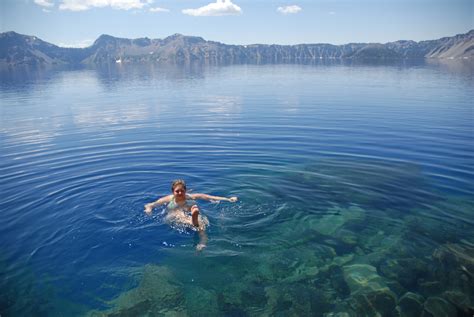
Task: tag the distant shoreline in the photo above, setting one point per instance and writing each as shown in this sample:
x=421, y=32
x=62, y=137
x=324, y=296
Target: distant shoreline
x=18, y=49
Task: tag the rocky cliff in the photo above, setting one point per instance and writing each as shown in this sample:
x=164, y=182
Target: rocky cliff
x=17, y=49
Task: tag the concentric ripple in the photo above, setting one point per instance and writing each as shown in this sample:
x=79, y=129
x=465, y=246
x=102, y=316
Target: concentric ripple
x=318, y=166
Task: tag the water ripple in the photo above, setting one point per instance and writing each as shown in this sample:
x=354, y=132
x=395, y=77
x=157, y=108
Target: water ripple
x=320, y=175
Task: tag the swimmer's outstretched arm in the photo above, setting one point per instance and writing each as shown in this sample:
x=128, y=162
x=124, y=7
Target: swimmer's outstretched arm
x=210, y=197
x=163, y=200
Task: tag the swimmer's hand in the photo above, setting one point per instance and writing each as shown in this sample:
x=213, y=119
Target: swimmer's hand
x=149, y=208
x=233, y=199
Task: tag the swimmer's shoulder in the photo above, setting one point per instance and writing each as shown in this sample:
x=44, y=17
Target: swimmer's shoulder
x=191, y=196
x=166, y=199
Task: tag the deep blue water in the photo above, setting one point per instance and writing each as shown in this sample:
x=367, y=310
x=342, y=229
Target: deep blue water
x=335, y=166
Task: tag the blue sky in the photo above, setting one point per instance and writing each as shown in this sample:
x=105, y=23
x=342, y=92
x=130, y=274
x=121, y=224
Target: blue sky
x=80, y=22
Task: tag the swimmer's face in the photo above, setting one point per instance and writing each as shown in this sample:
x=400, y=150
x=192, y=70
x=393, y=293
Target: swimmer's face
x=179, y=191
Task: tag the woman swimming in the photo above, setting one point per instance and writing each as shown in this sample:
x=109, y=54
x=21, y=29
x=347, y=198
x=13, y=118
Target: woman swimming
x=181, y=204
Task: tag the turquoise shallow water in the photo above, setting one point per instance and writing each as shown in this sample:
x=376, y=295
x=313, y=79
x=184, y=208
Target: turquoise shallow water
x=355, y=185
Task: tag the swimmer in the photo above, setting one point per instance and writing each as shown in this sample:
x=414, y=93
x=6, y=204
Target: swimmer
x=181, y=204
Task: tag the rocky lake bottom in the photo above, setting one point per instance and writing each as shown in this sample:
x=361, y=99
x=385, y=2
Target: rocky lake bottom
x=353, y=257
x=355, y=186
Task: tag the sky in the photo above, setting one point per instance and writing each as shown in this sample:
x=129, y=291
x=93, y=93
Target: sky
x=78, y=23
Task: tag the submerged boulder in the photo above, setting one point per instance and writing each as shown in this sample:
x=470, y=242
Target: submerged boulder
x=363, y=277
x=457, y=256
x=201, y=302
x=462, y=301
x=374, y=303
x=295, y=299
x=439, y=307
x=454, y=271
x=157, y=293
x=370, y=295
x=370, y=183
x=410, y=305
x=406, y=271
x=336, y=218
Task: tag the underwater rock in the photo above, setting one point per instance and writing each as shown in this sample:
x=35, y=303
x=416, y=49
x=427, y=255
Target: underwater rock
x=395, y=287
x=452, y=255
x=389, y=268
x=305, y=265
x=336, y=218
x=391, y=244
x=462, y=253
x=450, y=222
x=348, y=237
x=433, y=229
x=230, y=303
x=341, y=260
x=253, y=296
x=404, y=271
x=368, y=183
x=363, y=277
x=337, y=281
x=337, y=314
x=302, y=273
x=439, y=307
x=295, y=299
x=157, y=293
x=455, y=272
x=241, y=298
x=430, y=288
x=282, y=267
x=292, y=264
x=373, y=303
x=201, y=302
x=336, y=263
x=273, y=295
x=462, y=301
x=370, y=295
x=410, y=305
x=136, y=309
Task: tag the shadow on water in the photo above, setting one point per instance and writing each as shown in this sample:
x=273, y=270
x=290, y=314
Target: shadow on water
x=372, y=243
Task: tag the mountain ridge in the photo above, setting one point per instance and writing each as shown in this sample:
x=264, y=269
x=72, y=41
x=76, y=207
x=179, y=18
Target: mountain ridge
x=19, y=49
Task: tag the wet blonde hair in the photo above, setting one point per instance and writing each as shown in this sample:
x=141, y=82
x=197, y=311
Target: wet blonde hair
x=178, y=182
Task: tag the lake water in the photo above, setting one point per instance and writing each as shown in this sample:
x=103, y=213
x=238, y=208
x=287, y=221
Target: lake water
x=355, y=186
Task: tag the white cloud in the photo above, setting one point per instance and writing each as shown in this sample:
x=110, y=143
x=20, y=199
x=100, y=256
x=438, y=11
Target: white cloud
x=159, y=10
x=218, y=8
x=82, y=5
x=289, y=9
x=44, y=3
x=46, y=10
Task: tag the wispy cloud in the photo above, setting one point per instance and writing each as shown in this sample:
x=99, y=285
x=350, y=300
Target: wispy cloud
x=82, y=5
x=289, y=9
x=218, y=8
x=46, y=10
x=44, y=3
x=159, y=10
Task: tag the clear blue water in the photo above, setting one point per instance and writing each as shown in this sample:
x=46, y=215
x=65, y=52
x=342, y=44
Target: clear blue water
x=337, y=168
